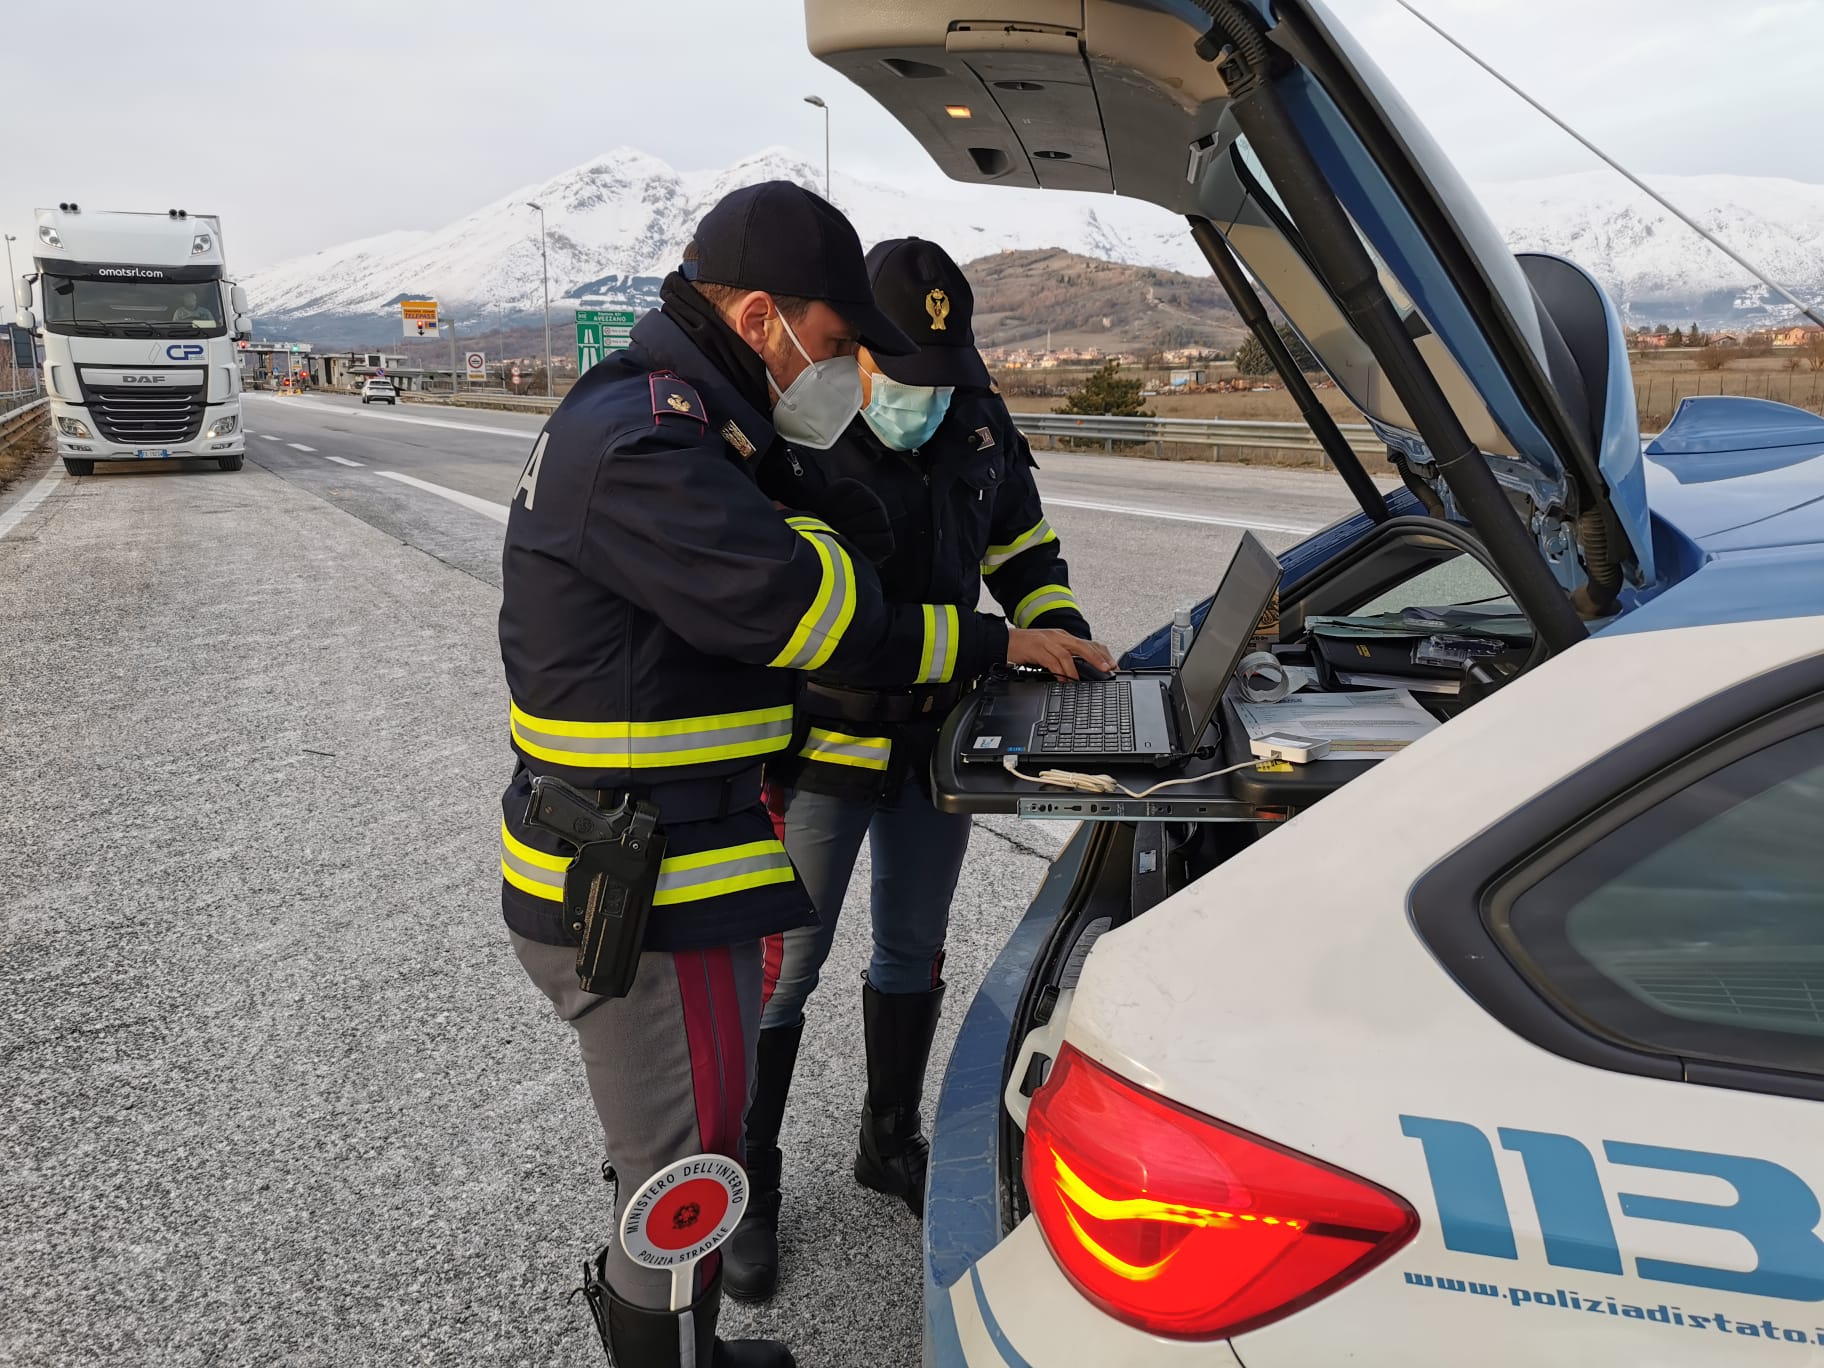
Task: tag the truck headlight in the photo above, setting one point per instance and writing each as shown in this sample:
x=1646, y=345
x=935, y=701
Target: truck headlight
x=200, y=244
x=71, y=427
x=49, y=236
x=224, y=426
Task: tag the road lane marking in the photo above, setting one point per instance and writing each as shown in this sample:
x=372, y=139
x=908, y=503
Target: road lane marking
x=343, y=460
x=299, y=446
x=523, y=434
x=268, y=437
x=1172, y=515
x=498, y=512
x=33, y=497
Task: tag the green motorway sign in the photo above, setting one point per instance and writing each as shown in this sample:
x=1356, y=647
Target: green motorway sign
x=600, y=331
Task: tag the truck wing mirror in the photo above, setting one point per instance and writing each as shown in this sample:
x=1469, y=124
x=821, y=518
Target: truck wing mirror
x=26, y=319
x=239, y=298
x=22, y=292
x=243, y=328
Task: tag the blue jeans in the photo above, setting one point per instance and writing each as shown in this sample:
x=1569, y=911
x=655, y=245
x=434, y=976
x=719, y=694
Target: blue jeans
x=917, y=853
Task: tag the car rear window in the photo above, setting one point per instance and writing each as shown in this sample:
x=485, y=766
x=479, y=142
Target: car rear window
x=1697, y=927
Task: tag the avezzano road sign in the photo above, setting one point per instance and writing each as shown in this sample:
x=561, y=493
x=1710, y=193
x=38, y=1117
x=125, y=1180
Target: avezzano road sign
x=600, y=331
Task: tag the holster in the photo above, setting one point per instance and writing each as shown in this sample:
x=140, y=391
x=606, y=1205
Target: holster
x=609, y=886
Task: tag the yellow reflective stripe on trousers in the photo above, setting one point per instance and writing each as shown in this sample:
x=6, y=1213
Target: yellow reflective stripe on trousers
x=938, y=661
x=819, y=631
x=654, y=745
x=999, y=555
x=531, y=871
x=713, y=873
x=682, y=878
x=1041, y=601
x=840, y=748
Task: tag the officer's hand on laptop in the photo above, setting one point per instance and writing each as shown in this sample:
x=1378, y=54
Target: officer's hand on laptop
x=1050, y=649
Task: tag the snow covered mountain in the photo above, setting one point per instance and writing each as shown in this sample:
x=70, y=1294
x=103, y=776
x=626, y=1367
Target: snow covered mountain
x=1658, y=270
x=617, y=224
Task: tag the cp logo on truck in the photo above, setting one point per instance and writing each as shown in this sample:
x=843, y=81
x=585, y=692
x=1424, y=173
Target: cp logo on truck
x=184, y=351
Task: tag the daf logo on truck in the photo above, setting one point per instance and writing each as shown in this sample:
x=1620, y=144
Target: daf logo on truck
x=142, y=379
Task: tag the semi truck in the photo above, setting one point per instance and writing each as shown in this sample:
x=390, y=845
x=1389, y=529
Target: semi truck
x=140, y=327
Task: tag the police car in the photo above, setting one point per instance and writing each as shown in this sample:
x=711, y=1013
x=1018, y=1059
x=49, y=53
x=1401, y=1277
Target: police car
x=1510, y=1049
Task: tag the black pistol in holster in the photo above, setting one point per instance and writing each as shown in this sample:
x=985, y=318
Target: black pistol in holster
x=608, y=888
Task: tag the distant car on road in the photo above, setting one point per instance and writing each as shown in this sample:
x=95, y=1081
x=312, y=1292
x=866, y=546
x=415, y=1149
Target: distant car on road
x=1506, y=1048
x=377, y=391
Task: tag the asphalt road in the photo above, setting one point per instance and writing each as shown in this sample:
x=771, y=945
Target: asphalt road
x=275, y=1090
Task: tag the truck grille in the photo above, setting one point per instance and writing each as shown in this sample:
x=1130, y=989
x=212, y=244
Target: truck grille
x=146, y=417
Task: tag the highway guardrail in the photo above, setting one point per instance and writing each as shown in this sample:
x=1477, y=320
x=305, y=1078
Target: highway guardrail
x=18, y=411
x=1214, y=433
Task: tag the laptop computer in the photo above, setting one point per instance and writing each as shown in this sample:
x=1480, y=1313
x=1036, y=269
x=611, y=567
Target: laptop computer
x=1131, y=717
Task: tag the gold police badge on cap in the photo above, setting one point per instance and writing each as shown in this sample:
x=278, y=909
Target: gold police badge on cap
x=937, y=304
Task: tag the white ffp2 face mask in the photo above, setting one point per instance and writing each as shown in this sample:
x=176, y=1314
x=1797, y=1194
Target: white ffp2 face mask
x=816, y=408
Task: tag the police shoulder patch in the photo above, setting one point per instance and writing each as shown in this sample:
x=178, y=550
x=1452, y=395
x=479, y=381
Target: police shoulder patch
x=672, y=398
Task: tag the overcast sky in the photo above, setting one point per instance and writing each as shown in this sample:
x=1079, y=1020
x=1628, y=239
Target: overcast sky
x=309, y=125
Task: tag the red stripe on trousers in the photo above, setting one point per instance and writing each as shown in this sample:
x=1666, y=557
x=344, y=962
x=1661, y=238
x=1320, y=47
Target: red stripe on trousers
x=772, y=960
x=718, y=1059
x=773, y=795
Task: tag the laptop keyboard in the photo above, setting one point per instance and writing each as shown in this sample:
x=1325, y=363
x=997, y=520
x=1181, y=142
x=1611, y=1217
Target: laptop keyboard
x=1091, y=716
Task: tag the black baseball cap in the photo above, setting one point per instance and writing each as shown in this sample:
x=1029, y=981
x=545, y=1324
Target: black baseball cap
x=781, y=238
x=926, y=293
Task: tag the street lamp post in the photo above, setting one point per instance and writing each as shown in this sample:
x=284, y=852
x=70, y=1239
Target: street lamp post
x=545, y=263
x=12, y=290
x=818, y=101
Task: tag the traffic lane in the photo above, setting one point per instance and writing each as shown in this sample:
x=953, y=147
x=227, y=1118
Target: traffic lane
x=467, y=450
x=281, y=1092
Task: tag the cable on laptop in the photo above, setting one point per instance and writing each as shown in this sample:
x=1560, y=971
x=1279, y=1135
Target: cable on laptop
x=1106, y=783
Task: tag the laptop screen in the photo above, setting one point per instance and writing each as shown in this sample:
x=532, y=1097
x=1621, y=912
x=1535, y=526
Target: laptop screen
x=1222, y=638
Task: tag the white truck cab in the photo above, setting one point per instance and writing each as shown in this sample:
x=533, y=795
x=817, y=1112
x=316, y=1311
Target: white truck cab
x=139, y=324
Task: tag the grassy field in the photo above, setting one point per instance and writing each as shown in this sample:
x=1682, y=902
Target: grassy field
x=1661, y=379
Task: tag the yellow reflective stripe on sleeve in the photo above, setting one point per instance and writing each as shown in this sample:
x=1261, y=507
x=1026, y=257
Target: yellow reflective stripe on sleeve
x=819, y=631
x=531, y=871
x=1041, y=601
x=1035, y=536
x=713, y=873
x=938, y=660
x=840, y=748
x=653, y=745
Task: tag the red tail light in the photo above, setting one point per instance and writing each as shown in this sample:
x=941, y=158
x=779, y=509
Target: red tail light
x=1181, y=1226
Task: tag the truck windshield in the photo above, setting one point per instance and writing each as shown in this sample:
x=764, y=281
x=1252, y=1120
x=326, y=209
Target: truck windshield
x=134, y=308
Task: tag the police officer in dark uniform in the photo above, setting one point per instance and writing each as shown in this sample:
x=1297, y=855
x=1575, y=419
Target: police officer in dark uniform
x=657, y=607
x=938, y=446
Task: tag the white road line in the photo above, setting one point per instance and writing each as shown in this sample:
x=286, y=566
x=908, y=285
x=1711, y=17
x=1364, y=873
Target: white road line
x=268, y=437
x=1171, y=515
x=343, y=460
x=498, y=512
x=523, y=434
x=33, y=497
x=299, y=446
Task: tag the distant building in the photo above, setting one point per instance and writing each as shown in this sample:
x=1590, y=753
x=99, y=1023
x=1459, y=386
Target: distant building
x=1182, y=378
x=1651, y=341
x=1795, y=337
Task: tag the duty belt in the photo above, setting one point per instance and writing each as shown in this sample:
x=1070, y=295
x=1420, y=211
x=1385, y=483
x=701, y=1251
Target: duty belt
x=929, y=702
x=688, y=800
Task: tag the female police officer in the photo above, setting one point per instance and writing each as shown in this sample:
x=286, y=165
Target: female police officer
x=939, y=448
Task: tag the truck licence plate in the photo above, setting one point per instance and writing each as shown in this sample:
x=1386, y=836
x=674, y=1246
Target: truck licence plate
x=153, y=454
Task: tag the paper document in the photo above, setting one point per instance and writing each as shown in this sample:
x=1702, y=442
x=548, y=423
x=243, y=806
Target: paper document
x=1411, y=685
x=1357, y=725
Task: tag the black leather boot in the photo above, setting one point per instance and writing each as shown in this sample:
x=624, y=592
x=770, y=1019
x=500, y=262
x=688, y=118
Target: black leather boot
x=750, y=1259
x=893, y=1151
x=637, y=1337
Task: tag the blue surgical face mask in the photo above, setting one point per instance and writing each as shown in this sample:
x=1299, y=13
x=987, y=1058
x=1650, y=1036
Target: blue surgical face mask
x=905, y=416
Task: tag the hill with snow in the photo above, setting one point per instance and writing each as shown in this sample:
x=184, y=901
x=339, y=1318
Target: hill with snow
x=618, y=223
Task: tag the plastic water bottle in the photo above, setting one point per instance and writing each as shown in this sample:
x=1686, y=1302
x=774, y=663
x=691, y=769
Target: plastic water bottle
x=1181, y=636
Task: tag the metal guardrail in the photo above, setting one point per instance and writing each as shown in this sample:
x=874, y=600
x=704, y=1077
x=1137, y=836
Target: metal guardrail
x=15, y=417
x=12, y=399
x=1215, y=433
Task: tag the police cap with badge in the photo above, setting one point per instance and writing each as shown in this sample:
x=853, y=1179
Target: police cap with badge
x=918, y=284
